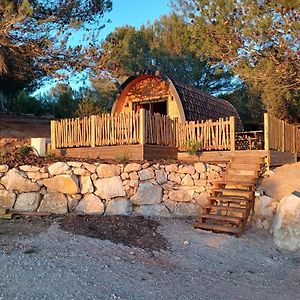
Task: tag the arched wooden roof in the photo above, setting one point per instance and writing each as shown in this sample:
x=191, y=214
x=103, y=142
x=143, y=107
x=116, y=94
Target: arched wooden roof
x=196, y=105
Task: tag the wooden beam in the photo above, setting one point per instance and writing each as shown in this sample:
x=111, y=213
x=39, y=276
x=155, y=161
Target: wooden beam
x=53, y=135
x=232, y=133
x=142, y=126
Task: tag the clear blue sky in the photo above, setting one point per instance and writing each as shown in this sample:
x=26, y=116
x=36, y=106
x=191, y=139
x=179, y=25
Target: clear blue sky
x=135, y=13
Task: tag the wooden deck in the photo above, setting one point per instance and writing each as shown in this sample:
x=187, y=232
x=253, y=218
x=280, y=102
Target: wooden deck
x=273, y=158
x=120, y=152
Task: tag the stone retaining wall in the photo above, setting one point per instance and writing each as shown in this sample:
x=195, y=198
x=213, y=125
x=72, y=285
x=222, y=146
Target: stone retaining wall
x=146, y=189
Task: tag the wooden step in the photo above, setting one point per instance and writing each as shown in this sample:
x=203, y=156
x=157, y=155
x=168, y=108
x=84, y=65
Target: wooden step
x=230, y=199
x=239, y=178
x=249, y=166
x=244, y=159
x=230, y=219
x=217, y=228
x=236, y=183
x=237, y=172
x=234, y=192
x=227, y=208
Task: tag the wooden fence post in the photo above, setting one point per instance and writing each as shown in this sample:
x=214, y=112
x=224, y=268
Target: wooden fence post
x=93, y=131
x=232, y=133
x=53, y=135
x=142, y=126
x=266, y=131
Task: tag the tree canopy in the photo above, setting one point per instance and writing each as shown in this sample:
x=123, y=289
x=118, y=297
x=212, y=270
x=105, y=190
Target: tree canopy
x=164, y=45
x=35, y=35
x=259, y=40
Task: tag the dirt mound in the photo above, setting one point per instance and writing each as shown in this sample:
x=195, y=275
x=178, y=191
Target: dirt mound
x=132, y=231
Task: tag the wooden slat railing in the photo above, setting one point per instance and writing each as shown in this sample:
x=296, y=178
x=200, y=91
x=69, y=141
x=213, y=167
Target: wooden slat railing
x=160, y=129
x=209, y=135
x=280, y=135
x=142, y=127
x=118, y=129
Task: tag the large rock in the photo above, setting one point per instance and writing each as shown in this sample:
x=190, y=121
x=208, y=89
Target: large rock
x=147, y=193
x=28, y=168
x=157, y=210
x=187, y=180
x=161, y=176
x=86, y=185
x=186, y=209
x=200, y=167
x=186, y=170
x=171, y=168
x=90, y=204
x=67, y=184
x=263, y=207
x=55, y=203
x=58, y=168
x=108, y=188
x=106, y=170
x=17, y=180
x=28, y=201
x=283, y=181
x=119, y=206
x=7, y=199
x=146, y=174
x=286, y=225
x=4, y=168
x=182, y=195
x=73, y=201
x=175, y=178
x=132, y=167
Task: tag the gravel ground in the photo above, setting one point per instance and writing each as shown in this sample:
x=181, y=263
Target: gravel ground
x=41, y=261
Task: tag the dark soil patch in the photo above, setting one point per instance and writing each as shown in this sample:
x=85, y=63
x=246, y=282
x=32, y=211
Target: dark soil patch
x=132, y=231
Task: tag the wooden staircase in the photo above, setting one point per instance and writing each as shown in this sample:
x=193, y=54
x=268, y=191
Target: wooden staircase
x=232, y=201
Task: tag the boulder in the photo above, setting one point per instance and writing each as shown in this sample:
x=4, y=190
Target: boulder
x=186, y=169
x=73, y=200
x=200, y=167
x=171, y=168
x=74, y=164
x=133, y=167
x=28, y=168
x=186, y=209
x=263, y=207
x=86, y=185
x=107, y=170
x=134, y=175
x=175, y=178
x=17, y=180
x=146, y=174
x=171, y=205
x=4, y=168
x=91, y=168
x=147, y=193
x=90, y=204
x=286, y=224
x=161, y=176
x=58, y=168
x=119, y=206
x=7, y=199
x=67, y=184
x=155, y=210
x=201, y=198
x=181, y=195
x=108, y=188
x=37, y=175
x=81, y=172
x=187, y=180
x=55, y=203
x=28, y=201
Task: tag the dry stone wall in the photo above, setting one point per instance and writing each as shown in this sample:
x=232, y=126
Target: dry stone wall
x=122, y=189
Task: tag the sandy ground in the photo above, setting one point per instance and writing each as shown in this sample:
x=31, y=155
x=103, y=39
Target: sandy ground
x=41, y=261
